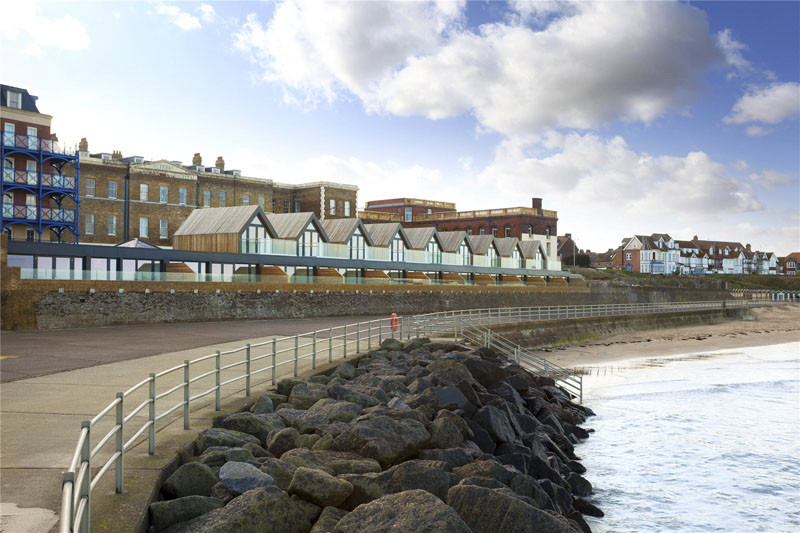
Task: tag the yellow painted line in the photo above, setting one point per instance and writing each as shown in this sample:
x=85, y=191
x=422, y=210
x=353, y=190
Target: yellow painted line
x=8, y=357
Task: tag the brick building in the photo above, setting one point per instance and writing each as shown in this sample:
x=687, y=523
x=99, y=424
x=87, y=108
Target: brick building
x=508, y=222
x=106, y=198
x=39, y=177
x=127, y=197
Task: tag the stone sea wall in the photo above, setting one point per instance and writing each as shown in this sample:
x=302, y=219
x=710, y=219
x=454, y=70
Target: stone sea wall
x=412, y=437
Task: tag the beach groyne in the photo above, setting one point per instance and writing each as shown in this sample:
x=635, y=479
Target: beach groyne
x=575, y=331
x=415, y=436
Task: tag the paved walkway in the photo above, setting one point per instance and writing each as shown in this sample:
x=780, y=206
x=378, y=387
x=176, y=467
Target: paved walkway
x=40, y=417
x=27, y=354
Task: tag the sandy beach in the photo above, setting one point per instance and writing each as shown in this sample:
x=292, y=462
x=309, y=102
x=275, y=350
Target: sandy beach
x=772, y=325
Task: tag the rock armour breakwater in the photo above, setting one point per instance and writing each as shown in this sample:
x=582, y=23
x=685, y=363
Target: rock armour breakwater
x=416, y=436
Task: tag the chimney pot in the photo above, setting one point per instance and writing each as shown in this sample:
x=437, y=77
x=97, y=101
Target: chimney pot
x=220, y=164
x=83, y=146
x=695, y=238
x=197, y=160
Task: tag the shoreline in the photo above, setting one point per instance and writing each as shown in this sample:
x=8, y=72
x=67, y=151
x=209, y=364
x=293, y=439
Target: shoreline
x=772, y=325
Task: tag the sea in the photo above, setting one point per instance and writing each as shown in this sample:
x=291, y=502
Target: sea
x=698, y=442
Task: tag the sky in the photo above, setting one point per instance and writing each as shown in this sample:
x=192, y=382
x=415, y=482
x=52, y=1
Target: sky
x=625, y=117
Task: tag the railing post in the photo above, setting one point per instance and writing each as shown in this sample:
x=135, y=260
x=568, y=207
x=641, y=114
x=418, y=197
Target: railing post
x=218, y=379
x=86, y=484
x=344, y=344
x=186, y=395
x=296, y=342
x=119, y=463
x=274, y=356
x=369, y=335
x=380, y=332
x=545, y=367
x=580, y=383
x=330, y=345
x=314, y=350
x=69, y=477
x=358, y=337
x=247, y=371
x=151, y=442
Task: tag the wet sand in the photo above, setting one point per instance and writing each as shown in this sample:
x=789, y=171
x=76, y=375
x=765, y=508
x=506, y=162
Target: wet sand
x=772, y=325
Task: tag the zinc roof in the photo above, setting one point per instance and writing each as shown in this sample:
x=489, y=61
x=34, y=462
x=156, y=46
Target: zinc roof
x=382, y=233
x=340, y=230
x=290, y=225
x=451, y=240
x=221, y=220
x=505, y=245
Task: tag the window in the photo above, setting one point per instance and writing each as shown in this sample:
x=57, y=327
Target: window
x=494, y=259
x=245, y=199
x=347, y=208
x=32, y=139
x=430, y=210
x=163, y=228
x=273, y=205
x=14, y=99
x=112, y=189
x=482, y=231
x=308, y=243
x=112, y=224
x=628, y=256
x=508, y=231
x=398, y=249
x=357, y=246
x=222, y=199
x=144, y=189
x=90, y=187
x=433, y=252
x=286, y=206
x=143, y=222
x=297, y=206
x=494, y=232
x=206, y=198
x=89, y=227
x=262, y=202
x=469, y=231
x=32, y=176
x=408, y=214
x=163, y=194
x=332, y=207
x=182, y=196
x=30, y=235
x=463, y=251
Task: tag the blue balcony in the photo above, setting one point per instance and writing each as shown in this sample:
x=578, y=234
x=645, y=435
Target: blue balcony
x=34, y=143
x=58, y=215
x=30, y=178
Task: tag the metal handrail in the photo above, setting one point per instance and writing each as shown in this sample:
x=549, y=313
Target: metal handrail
x=473, y=325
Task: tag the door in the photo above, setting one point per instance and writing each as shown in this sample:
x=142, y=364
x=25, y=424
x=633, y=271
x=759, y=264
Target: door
x=30, y=175
x=33, y=139
x=8, y=134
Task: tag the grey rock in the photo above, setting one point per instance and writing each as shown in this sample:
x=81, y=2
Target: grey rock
x=580, y=485
x=221, y=492
x=256, y=450
x=482, y=437
x=303, y=421
x=418, y=474
x=397, y=403
x=396, y=413
x=336, y=411
x=383, y=439
x=452, y=457
x=413, y=510
x=496, y=423
x=444, y=434
x=191, y=479
x=312, y=511
x=586, y=507
x=223, y=437
x=391, y=345
x=487, y=468
x=344, y=371
x=450, y=370
x=286, y=385
x=335, y=461
x=307, y=440
x=328, y=519
x=215, y=456
x=166, y=513
x=319, y=488
x=241, y=477
x=239, y=454
x=263, y=405
x=366, y=487
x=438, y=398
x=492, y=510
x=486, y=373
x=263, y=510
x=349, y=394
x=281, y=471
x=519, y=383
x=479, y=481
x=303, y=395
x=258, y=426
x=282, y=441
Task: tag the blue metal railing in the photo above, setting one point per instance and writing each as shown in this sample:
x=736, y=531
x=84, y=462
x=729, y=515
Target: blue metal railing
x=34, y=142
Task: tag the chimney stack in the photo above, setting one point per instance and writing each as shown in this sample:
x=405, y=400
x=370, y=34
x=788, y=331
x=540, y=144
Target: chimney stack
x=747, y=246
x=83, y=146
x=220, y=164
x=116, y=155
x=568, y=235
x=197, y=160
x=695, y=238
x=537, y=203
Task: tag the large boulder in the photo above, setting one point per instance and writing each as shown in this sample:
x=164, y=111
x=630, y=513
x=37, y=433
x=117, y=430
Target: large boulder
x=337, y=462
x=263, y=405
x=258, y=426
x=487, y=468
x=282, y=441
x=444, y=434
x=450, y=370
x=580, y=485
x=328, y=519
x=383, y=439
x=344, y=371
x=438, y=398
x=350, y=394
x=319, y=488
x=486, y=373
x=304, y=395
x=492, y=510
x=241, y=477
x=281, y=471
x=166, y=513
x=452, y=457
x=392, y=345
x=303, y=421
x=191, y=479
x=263, y=510
x=223, y=437
x=496, y=423
x=418, y=474
x=413, y=510
x=286, y=385
x=335, y=411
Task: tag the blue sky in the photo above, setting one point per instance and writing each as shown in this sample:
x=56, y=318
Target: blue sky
x=625, y=117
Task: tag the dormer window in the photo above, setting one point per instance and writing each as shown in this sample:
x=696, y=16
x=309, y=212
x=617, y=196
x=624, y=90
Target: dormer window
x=14, y=99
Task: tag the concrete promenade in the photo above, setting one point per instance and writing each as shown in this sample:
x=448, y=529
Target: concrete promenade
x=40, y=416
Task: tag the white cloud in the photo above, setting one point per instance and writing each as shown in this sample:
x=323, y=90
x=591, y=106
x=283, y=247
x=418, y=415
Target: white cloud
x=207, y=12
x=181, y=19
x=604, y=175
x=741, y=165
x=756, y=131
x=591, y=64
x=733, y=53
x=23, y=25
x=771, y=179
x=771, y=104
